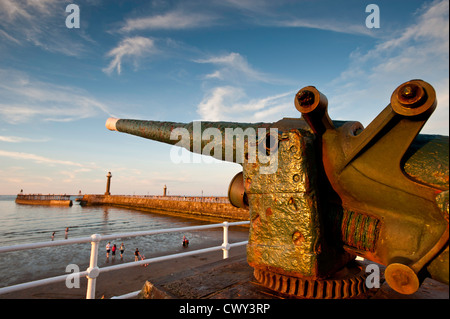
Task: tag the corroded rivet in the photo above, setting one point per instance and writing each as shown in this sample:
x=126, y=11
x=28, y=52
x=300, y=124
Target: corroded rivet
x=248, y=182
x=297, y=238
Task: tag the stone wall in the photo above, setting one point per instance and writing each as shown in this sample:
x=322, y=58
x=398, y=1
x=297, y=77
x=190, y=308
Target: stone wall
x=207, y=209
x=45, y=202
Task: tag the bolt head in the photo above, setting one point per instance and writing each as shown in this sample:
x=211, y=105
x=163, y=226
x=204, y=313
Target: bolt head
x=410, y=95
x=409, y=91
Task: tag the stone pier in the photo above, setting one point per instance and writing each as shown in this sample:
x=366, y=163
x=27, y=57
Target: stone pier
x=206, y=208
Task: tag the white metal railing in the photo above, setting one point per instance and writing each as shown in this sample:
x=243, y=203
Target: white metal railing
x=93, y=270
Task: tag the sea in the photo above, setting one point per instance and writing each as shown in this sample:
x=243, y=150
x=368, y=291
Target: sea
x=21, y=224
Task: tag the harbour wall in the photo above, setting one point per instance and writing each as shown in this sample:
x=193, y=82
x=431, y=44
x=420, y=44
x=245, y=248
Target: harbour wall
x=44, y=202
x=39, y=199
x=205, y=208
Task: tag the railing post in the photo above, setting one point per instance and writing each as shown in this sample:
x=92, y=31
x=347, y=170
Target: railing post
x=93, y=270
x=225, y=245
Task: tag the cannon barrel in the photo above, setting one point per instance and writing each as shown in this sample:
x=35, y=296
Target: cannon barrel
x=426, y=160
x=220, y=140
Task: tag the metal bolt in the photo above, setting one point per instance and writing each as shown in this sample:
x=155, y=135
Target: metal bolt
x=298, y=238
x=409, y=91
x=410, y=95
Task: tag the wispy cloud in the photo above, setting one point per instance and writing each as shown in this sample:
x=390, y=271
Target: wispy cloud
x=173, y=20
x=334, y=26
x=12, y=9
x=25, y=98
x=9, y=37
x=39, y=23
x=233, y=66
x=227, y=103
x=18, y=139
x=420, y=50
x=129, y=48
x=37, y=158
x=230, y=102
x=278, y=14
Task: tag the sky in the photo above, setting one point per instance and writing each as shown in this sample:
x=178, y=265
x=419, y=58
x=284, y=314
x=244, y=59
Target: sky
x=229, y=60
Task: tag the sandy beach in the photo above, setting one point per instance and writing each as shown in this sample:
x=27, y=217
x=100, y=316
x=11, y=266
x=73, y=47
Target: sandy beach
x=116, y=283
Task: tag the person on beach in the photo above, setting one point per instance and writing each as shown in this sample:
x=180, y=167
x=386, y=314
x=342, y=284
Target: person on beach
x=108, y=249
x=136, y=255
x=66, y=233
x=185, y=241
x=122, y=248
x=113, y=250
x=53, y=236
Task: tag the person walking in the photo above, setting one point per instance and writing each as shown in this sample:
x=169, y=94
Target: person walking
x=122, y=249
x=108, y=249
x=185, y=241
x=136, y=255
x=113, y=250
x=66, y=233
x=53, y=236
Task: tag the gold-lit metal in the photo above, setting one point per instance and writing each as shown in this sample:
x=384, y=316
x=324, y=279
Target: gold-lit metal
x=236, y=192
x=401, y=278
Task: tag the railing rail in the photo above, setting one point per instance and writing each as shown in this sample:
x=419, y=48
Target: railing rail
x=93, y=270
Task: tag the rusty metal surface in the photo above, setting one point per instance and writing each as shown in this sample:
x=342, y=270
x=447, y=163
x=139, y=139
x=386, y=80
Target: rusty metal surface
x=349, y=282
x=162, y=131
x=364, y=168
x=286, y=235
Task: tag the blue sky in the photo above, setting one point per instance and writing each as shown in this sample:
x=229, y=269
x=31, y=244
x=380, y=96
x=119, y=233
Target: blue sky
x=232, y=60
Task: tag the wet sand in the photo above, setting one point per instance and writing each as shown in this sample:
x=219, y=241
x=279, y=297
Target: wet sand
x=118, y=282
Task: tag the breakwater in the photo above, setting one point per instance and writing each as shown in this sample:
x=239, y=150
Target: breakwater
x=209, y=208
x=39, y=199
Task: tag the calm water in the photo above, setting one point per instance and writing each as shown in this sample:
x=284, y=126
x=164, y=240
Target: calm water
x=29, y=223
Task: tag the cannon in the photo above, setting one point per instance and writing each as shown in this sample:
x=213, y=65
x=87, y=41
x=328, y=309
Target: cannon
x=321, y=192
